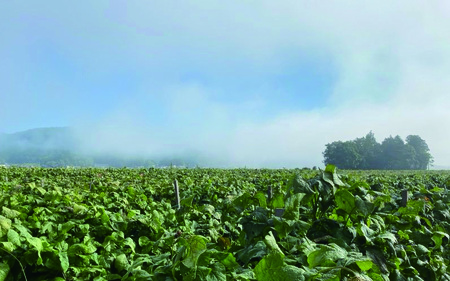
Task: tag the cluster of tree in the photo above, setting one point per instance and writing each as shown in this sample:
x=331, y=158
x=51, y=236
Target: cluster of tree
x=367, y=154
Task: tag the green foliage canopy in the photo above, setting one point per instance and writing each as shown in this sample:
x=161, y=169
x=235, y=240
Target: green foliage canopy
x=367, y=154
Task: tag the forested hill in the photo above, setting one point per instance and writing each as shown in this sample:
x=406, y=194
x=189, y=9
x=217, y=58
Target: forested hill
x=43, y=146
x=40, y=138
x=56, y=147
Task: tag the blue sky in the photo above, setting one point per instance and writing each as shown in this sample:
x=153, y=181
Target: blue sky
x=253, y=83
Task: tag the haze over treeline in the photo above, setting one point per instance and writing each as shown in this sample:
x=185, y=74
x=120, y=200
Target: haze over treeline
x=56, y=147
x=59, y=147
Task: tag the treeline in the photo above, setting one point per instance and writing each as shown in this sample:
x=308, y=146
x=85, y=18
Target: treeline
x=367, y=154
x=61, y=158
x=58, y=147
x=42, y=158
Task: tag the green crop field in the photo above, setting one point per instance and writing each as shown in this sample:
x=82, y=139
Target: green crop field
x=242, y=224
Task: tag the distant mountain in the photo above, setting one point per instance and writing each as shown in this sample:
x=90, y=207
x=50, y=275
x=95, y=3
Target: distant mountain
x=41, y=138
x=56, y=147
x=49, y=147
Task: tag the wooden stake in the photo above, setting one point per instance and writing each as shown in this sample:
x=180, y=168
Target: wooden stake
x=279, y=212
x=404, y=197
x=177, y=193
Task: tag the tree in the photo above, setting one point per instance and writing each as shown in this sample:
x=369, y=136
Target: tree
x=397, y=155
x=366, y=153
x=370, y=151
x=343, y=154
x=423, y=156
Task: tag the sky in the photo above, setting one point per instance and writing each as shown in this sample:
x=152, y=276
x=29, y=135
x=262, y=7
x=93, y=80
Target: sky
x=243, y=83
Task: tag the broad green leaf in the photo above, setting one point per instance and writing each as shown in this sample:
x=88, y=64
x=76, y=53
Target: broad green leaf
x=427, y=221
x=397, y=276
x=377, y=223
x=157, y=220
x=84, y=228
x=64, y=259
x=261, y=196
x=292, y=206
x=272, y=268
x=104, y=216
x=14, y=237
x=4, y=271
x=332, y=170
x=246, y=274
x=121, y=262
x=257, y=250
x=131, y=214
x=5, y=225
x=217, y=273
x=197, y=246
x=377, y=277
x=8, y=246
x=138, y=274
x=77, y=209
x=331, y=176
x=326, y=255
x=138, y=262
x=197, y=273
x=81, y=249
x=47, y=227
x=129, y=242
x=413, y=208
x=187, y=201
x=277, y=201
x=282, y=227
x=255, y=225
x=364, y=265
x=230, y=262
x=10, y=214
x=298, y=185
x=345, y=200
x=207, y=208
x=144, y=241
x=41, y=190
x=62, y=246
x=272, y=243
x=362, y=276
x=65, y=227
x=364, y=207
x=388, y=236
x=240, y=203
x=378, y=258
x=365, y=231
x=37, y=244
x=437, y=237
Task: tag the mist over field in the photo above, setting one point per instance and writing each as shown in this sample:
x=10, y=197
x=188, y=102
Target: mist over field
x=255, y=84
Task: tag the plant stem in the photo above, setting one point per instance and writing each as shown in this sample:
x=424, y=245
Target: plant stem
x=348, y=216
x=23, y=270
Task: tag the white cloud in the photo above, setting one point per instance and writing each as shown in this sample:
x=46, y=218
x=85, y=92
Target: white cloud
x=393, y=67
x=391, y=61
x=299, y=140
